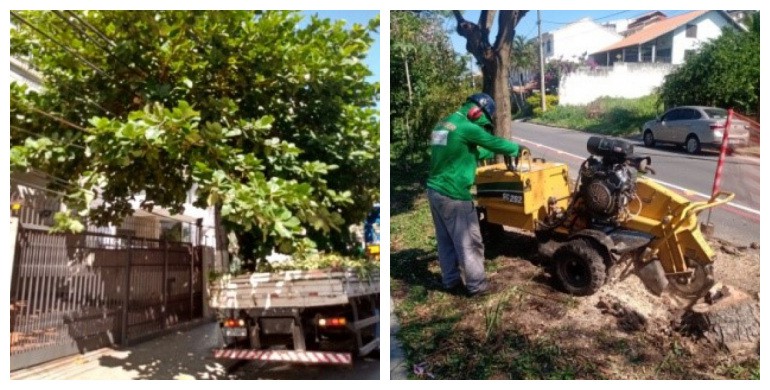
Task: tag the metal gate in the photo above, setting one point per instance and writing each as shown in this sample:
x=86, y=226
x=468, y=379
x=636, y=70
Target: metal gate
x=69, y=295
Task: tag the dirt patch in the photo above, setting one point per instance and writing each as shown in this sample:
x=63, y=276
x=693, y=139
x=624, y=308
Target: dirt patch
x=530, y=329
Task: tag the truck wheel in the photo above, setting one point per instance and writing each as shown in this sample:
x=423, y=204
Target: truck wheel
x=579, y=267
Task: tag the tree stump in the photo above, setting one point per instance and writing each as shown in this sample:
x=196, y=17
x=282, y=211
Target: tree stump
x=727, y=317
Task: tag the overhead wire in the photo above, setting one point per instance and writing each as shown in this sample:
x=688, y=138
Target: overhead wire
x=38, y=135
x=92, y=28
x=51, y=116
x=66, y=48
x=99, y=45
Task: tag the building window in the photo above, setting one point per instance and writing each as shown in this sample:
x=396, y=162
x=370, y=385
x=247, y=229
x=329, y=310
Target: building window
x=688, y=54
x=548, y=46
x=692, y=31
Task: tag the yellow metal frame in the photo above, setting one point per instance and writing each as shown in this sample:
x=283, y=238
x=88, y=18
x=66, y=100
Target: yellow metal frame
x=671, y=218
x=539, y=182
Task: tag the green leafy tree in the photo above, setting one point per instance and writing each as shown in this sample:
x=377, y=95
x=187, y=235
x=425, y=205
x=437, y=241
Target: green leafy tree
x=427, y=78
x=274, y=124
x=723, y=73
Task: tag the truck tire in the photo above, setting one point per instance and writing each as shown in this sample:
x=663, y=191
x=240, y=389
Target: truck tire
x=579, y=267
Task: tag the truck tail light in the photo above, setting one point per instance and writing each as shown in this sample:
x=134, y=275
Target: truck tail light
x=332, y=322
x=234, y=323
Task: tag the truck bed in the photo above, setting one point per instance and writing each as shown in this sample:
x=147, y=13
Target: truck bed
x=291, y=289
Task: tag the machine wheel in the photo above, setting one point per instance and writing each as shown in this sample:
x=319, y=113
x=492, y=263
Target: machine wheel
x=649, y=139
x=695, y=285
x=692, y=145
x=579, y=267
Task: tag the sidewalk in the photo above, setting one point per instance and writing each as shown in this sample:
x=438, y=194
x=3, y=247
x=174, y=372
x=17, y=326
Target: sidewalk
x=398, y=369
x=183, y=354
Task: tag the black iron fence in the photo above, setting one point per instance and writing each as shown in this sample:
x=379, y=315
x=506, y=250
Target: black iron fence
x=75, y=293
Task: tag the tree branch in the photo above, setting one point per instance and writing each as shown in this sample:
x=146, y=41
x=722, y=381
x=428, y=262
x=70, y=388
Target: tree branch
x=507, y=23
x=486, y=20
x=476, y=42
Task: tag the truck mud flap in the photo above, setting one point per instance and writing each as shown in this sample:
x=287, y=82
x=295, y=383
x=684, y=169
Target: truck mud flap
x=286, y=356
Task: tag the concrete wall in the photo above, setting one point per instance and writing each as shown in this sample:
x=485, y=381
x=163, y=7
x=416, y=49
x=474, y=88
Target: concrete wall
x=627, y=80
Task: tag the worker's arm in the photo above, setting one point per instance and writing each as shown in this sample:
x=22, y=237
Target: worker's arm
x=478, y=136
x=485, y=154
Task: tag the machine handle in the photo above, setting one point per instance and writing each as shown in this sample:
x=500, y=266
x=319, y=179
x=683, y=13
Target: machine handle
x=513, y=163
x=717, y=199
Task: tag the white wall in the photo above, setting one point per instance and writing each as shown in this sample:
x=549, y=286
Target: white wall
x=709, y=25
x=626, y=80
x=583, y=36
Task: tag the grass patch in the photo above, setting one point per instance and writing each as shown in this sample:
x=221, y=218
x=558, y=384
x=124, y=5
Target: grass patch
x=606, y=116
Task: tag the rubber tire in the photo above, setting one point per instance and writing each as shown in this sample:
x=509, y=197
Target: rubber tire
x=579, y=259
x=648, y=141
x=696, y=149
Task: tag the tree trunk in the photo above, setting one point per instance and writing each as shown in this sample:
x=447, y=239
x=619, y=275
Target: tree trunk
x=493, y=58
x=732, y=321
x=221, y=258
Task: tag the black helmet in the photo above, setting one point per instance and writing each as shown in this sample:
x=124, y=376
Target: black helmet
x=485, y=102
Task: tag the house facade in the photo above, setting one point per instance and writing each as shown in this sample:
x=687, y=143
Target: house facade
x=576, y=40
x=670, y=40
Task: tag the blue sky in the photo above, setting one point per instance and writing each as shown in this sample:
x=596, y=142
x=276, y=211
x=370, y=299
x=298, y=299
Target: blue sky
x=359, y=17
x=552, y=20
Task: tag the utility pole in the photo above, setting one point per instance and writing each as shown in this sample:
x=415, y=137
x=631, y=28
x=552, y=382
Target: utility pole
x=542, y=65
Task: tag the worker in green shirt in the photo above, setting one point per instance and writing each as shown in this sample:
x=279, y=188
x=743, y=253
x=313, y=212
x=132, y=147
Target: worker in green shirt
x=457, y=143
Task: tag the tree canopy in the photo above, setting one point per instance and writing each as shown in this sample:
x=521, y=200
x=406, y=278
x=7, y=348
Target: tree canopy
x=427, y=80
x=723, y=73
x=272, y=121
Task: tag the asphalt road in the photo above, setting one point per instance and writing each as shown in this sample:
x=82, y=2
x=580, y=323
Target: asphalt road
x=690, y=175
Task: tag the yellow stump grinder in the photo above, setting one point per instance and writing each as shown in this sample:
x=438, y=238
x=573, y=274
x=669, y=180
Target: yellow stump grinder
x=612, y=213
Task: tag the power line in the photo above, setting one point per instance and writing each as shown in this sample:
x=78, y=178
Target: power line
x=611, y=15
x=70, y=51
x=93, y=29
x=99, y=45
x=54, y=117
x=38, y=135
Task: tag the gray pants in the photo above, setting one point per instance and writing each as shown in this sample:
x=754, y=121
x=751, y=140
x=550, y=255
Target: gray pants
x=459, y=241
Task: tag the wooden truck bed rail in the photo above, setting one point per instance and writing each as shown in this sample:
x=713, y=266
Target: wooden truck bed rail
x=291, y=289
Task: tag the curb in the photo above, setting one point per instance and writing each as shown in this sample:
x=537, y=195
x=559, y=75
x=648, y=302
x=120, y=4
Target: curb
x=398, y=367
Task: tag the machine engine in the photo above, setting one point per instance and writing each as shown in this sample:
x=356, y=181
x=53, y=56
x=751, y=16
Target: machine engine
x=607, y=179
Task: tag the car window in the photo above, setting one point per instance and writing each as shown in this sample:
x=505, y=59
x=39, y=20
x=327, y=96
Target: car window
x=673, y=115
x=693, y=114
x=715, y=113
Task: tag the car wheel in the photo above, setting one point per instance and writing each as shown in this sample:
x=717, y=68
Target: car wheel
x=692, y=145
x=649, y=139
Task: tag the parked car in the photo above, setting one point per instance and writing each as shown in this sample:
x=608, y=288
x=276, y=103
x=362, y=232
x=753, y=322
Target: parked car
x=695, y=127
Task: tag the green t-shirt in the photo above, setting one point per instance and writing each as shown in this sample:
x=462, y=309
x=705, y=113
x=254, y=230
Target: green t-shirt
x=456, y=146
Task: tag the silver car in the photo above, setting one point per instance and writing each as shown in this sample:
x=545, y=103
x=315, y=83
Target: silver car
x=695, y=127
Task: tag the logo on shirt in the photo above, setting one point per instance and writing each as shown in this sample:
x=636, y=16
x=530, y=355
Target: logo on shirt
x=439, y=137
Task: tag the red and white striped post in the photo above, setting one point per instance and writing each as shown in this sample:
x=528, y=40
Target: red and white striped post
x=720, y=162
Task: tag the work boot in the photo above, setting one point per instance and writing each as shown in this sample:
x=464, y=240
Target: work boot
x=487, y=289
x=457, y=290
